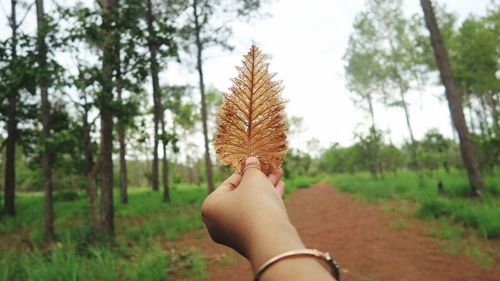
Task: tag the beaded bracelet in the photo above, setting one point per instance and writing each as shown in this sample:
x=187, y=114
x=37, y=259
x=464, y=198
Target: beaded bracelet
x=325, y=256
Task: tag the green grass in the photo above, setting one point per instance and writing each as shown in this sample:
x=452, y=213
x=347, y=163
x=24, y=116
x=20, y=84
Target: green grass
x=454, y=204
x=291, y=184
x=142, y=226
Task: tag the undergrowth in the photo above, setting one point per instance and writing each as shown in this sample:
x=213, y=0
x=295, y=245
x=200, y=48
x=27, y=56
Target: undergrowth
x=142, y=226
x=453, y=203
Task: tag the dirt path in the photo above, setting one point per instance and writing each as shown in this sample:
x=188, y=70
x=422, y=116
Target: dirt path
x=360, y=237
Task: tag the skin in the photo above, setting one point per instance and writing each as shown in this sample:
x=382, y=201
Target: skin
x=247, y=213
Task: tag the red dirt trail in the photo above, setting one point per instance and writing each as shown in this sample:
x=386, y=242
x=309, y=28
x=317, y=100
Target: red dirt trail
x=360, y=237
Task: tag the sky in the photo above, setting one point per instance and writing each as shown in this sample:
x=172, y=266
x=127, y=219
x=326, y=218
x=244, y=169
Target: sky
x=306, y=42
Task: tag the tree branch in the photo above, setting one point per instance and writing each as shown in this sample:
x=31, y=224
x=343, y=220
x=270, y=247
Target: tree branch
x=25, y=14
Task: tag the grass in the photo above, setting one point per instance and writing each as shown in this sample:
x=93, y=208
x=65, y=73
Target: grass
x=142, y=226
x=304, y=181
x=454, y=204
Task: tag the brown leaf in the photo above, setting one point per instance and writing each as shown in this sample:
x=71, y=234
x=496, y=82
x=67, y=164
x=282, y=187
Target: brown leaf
x=251, y=121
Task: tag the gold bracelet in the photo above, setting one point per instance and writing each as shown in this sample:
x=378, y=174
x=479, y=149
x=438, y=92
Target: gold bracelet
x=325, y=256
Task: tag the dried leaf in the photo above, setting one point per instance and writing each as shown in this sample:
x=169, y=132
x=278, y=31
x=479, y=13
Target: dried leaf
x=251, y=121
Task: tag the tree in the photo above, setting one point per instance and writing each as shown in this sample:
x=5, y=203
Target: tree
x=105, y=102
x=45, y=110
x=364, y=71
x=386, y=37
x=371, y=146
x=130, y=74
x=10, y=172
x=435, y=150
x=159, y=36
x=202, y=32
x=17, y=78
x=475, y=58
x=454, y=99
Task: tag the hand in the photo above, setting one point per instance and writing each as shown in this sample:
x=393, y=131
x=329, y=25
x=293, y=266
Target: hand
x=247, y=213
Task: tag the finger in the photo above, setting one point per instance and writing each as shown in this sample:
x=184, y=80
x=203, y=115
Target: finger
x=229, y=184
x=253, y=177
x=252, y=163
x=275, y=176
x=280, y=187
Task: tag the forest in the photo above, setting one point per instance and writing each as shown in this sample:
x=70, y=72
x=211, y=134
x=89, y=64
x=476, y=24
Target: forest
x=104, y=165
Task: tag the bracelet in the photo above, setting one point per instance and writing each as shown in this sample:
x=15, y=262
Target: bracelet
x=325, y=256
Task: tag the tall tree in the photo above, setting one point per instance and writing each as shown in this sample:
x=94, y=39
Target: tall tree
x=105, y=102
x=165, y=176
x=209, y=26
x=454, y=99
x=199, y=67
x=160, y=45
x=154, y=68
x=475, y=61
x=10, y=154
x=86, y=30
x=383, y=32
x=45, y=111
x=130, y=74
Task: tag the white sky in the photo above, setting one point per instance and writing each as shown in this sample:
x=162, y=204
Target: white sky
x=306, y=41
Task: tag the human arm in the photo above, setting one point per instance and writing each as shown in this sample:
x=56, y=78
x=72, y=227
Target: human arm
x=247, y=214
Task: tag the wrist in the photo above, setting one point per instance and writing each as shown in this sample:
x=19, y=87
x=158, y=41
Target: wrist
x=274, y=240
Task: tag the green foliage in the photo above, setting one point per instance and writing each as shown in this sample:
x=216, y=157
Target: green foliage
x=296, y=163
x=369, y=153
x=453, y=203
x=65, y=263
x=142, y=225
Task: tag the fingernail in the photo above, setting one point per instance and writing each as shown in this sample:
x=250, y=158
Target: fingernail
x=252, y=160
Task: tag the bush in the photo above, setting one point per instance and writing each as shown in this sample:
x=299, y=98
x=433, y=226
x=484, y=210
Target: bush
x=455, y=203
x=433, y=209
x=66, y=195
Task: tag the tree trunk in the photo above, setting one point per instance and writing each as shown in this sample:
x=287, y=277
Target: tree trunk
x=91, y=170
x=165, y=178
x=121, y=136
x=493, y=103
x=454, y=100
x=154, y=68
x=370, y=108
x=10, y=154
x=106, y=109
x=123, y=165
x=199, y=66
x=402, y=92
x=45, y=104
x=410, y=130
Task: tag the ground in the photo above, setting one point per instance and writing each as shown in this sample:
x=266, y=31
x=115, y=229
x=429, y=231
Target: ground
x=369, y=243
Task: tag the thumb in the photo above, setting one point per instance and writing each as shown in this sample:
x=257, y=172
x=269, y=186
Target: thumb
x=252, y=163
x=252, y=174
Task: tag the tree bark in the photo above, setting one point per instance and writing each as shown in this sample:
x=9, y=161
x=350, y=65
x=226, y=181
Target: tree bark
x=154, y=68
x=10, y=154
x=402, y=93
x=45, y=106
x=165, y=178
x=106, y=110
x=123, y=165
x=493, y=103
x=121, y=135
x=91, y=169
x=454, y=100
x=199, y=66
x=370, y=108
x=410, y=130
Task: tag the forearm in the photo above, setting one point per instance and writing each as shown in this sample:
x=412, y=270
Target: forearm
x=278, y=240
